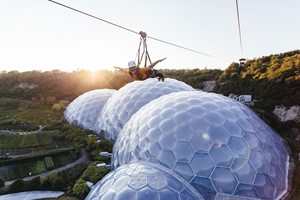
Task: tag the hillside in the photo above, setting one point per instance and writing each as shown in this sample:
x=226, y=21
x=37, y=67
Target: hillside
x=272, y=81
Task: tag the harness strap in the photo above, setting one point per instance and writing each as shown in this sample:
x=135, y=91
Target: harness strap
x=140, y=54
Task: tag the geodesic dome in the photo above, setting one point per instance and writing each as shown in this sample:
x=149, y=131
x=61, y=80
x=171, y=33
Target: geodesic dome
x=143, y=181
x=218, y=145
x=84, y=110
x=129, y=99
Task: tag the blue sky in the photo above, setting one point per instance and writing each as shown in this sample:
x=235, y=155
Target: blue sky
x=40, y=35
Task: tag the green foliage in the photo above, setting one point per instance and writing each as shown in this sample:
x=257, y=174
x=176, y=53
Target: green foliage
x=57, y=183
x=49, y=162
x=80, y=189
x=75, y=136
x=52, y=182
x=273, y=80
x=193, y=77
x=46, y=183
x=65, y=197
x=17, y=186
x=2, y=182
x=29, y=140
x=9, y=103
x=33, y=184
x=10, y=141
x=37, y=167
x=94, y=173
x=35, y=115
x=49, y=87
x=46, y=137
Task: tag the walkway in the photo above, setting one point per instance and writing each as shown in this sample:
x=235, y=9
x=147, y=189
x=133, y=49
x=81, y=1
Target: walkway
x=83, y=159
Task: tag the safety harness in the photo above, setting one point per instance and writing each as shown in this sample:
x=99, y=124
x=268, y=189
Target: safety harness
x=151, y=73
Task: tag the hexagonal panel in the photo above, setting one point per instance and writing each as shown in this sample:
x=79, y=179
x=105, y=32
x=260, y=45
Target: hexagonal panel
x=184, y=170
x=202, y=164
x=224, y=180
x=183, y=132
x=167, y=141
x=259, y=162
x=183, y=151
x=221, y=155
x=253, y=141
x=233, y=128
x=245, y=190
x=264, y=186
x=204, y=186
x=167, y=158
x=201, y=142
x=245, y=125
x=239, y=147
x=243, y=170
x=218, y=134
x=215, y=118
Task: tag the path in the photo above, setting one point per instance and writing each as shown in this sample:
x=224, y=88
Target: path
x=82, y=159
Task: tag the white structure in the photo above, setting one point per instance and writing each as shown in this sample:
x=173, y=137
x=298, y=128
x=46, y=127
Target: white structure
x=244, y=98
x=84, y=110
x=32, y=195
x=218, y=145
x=129, y=99
x=143, y=181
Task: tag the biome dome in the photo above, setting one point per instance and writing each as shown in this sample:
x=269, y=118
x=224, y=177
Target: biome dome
x=84, y=110
x=130, y=98
x=218, y=145
x=145, y=181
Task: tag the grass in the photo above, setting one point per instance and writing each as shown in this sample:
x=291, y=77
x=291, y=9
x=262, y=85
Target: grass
x=45, y=137
x=29, y=140
x=35, y=115
x=10, y=141
x=8, y=103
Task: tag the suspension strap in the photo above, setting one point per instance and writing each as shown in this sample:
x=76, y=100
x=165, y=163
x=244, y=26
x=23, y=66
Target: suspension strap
x=140, y=55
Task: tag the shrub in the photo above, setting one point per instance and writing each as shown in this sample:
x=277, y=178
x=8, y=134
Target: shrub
x=17, y=186
x=94, y=173
x=33, y=184
x=45, y=184
x=80, y=189
x=2, y=182
x=49, y=162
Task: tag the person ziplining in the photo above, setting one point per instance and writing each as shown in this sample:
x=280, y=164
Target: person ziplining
x=142, y=73
x=145, y=72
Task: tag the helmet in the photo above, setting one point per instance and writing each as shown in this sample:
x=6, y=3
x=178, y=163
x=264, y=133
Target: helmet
x=131, y=64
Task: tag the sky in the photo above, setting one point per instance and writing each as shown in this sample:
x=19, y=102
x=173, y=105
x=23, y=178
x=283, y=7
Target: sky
x=41, y=35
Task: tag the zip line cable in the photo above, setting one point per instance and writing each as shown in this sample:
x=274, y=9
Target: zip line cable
x=239, y=25
x=127, y=29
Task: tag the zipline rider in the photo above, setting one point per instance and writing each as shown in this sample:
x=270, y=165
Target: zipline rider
x=142, y=73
